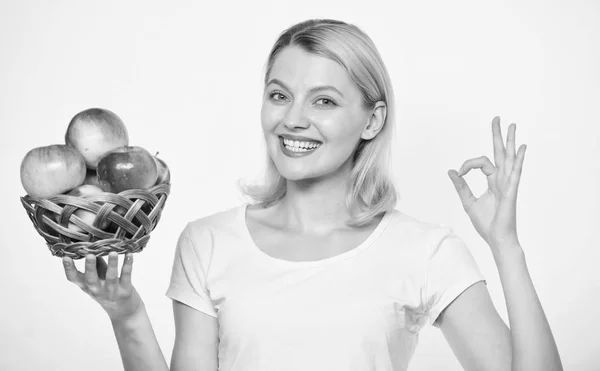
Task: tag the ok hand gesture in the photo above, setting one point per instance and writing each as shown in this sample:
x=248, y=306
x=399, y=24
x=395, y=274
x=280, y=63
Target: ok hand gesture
x=493, y=214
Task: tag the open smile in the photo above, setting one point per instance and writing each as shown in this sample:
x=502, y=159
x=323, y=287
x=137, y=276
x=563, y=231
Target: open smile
x=293, y=148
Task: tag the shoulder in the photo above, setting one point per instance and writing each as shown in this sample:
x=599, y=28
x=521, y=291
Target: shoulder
x=199, y=235
x=217, y=221
x=410, y=226
x=221, y=222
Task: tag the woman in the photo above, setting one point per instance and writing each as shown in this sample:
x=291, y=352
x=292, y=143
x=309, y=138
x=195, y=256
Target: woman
x=322, y=273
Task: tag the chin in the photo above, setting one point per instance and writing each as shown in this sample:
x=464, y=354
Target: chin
x=296, y=175
x=303, y=173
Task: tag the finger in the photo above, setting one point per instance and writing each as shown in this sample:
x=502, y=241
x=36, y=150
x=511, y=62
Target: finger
x=515, y=176
x=126, y=270
x=481, y=162
x=462, y=188
x=73, y=275
x=486, y=166
x=498, y=143
x=91, y=275
x=101, y=267
x=510, y=149
x=112, y=275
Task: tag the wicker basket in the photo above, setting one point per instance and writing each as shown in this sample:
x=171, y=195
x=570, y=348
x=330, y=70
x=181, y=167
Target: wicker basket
x=127, y=217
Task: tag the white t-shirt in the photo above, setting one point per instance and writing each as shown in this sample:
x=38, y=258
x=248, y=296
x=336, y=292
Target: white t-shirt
x=361, y=310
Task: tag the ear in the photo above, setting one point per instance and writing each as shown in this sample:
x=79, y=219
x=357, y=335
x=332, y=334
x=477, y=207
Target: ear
x=375, y=121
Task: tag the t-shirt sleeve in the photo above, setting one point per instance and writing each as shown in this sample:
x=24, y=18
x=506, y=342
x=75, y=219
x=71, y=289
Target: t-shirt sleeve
x=188, y=283
x=451, y=269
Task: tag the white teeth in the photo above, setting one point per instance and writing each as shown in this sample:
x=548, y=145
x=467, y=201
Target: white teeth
x=298, y=146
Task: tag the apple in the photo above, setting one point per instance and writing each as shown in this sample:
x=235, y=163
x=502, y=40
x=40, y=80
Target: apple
x=85, y=215
x=52, y=170
x=94, y=132
x=127, y=167
x=164, y=174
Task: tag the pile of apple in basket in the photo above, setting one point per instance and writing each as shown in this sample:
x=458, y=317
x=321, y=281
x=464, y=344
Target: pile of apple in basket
x=95, y=193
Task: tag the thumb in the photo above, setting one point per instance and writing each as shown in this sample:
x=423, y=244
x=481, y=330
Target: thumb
x=462, y=188
x=455, y=178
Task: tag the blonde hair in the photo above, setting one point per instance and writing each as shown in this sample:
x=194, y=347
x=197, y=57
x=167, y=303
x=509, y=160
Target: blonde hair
x=370, y=188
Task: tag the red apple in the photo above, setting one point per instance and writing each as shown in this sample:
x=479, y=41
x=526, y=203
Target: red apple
x=164, y=174
x=95, y=132
x=128, y=167
x=52, y=170
x=85, y=215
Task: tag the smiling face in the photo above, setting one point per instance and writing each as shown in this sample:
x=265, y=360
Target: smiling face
x=312, y=99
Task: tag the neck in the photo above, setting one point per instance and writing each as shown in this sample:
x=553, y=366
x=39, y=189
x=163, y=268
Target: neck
x=316, y=205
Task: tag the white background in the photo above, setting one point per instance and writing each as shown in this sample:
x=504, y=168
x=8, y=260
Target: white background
x=186, y=78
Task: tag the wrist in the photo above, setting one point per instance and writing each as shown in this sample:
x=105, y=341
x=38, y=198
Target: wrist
x=131, y=320
x=508, y=255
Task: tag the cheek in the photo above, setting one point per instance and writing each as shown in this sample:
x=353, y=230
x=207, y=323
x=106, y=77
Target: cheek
x=342, y=129
x=269, y=117
x=269, y=121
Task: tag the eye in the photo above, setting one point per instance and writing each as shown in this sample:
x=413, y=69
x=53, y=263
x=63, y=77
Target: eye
x=326, y=102
x=277, y=96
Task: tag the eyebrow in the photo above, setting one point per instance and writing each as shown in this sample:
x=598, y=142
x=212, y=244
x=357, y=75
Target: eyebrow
x=312, y=90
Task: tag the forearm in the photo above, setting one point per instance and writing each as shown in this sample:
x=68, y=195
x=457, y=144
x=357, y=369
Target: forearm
x=533, y=345
x=138, y=345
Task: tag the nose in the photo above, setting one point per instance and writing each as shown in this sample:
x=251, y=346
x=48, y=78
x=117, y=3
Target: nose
x=295, y=118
